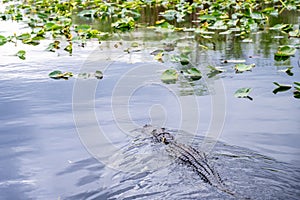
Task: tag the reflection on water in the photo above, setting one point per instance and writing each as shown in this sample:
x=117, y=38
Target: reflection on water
x=42, y=156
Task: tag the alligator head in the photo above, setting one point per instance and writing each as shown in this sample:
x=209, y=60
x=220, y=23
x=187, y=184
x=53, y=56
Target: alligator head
x=159, y=134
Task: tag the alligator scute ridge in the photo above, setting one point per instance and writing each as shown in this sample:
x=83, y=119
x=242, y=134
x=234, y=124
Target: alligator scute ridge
x=190, y=156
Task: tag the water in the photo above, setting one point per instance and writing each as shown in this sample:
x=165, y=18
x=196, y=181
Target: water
x=73, y=139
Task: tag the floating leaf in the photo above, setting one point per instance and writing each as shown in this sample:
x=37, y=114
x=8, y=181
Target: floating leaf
x=84, y=75
x=257, y=16
x=281, y=87
x=24, y=36
x=159, y=57
x=283, y=27
x=297, y=91
x=169, y=76
x=240, y=68
x=3, y=40
x=214, y=71
x=21, y=54
x=193, y=73
x=284, y=52
x=184, y=59
x=69, y=48
x=58, y=75
x=124, y=24
x=98, y=74
x=243, y=93
x=54, y=45
x=158, y=51
x=50, y=26
x=288, y=71
x=87, y=13
x=295, y=33
x=169, y=14
x=82, y=28
x=134, y=44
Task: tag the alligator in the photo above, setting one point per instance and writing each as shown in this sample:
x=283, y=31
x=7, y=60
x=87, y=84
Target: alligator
x=190, y=156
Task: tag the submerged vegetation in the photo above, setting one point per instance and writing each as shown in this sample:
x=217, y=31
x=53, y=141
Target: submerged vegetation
x=54, y=20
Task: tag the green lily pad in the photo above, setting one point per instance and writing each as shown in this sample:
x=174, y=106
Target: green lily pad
x=124, y=24
x=98, y=74
x=69, y=48
x=288, y=71
x=281, y=87
x=169, y=76
x=297, y=94
x=295, y=33
x=24, y=36
x=84, y=75
x=214, y=71
x=169, y=14
x=193, y=73
x=21, y=54
x=243, y=93
x=54, y=45
x=87, y=13
x=58, y=74
x=159, y=57
x=240, y=68
x=297, y=90
x=184, y=59
x=82, y=28
x=3, y=40
x=283, y=27
x=50, y=26
x=284, y=52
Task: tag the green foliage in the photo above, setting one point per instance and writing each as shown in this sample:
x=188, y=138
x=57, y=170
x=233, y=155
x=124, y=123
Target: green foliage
x=240, y=68
x=124, y=24
x=21, y=54
x=3, y=40
x=243, y=93
x=60, y=75
x=281, y=87
x=284, y=52
x=193, y=73
x=169, y=76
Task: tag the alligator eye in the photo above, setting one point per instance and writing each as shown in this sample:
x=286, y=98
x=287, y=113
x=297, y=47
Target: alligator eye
x=164, y=140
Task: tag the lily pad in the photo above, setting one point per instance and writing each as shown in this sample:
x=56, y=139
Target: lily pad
x=214, y=71
x=21, y=54
x=184, y=59
x=98, y=74
x=159, y=57
x=297, y=90
x=87, y=13
x=84, y=75
x=281, y=87
x=169, y=76
x=54, y=45
x=295, y=33
x=24, y=36
x=288, y=71
x=240, y=68
x=284, y=52
x=58, y=74
x=283, y=27
x=243, y=93
x=124, y=24
x=193, y=73
x=3, y=40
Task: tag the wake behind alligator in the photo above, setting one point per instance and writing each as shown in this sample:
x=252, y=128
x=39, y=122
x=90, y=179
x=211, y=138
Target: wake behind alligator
x=190, y=156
